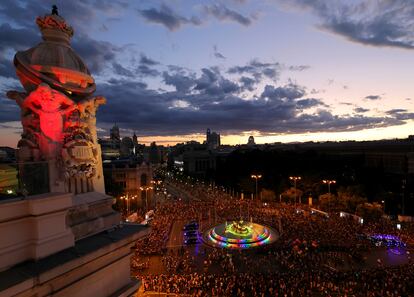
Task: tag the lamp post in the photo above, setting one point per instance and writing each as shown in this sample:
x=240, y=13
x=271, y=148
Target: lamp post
x=329, y=182
x=295, y=179
x=127, y=199
x=256, y=177
x=146, y=188
x=156, y=184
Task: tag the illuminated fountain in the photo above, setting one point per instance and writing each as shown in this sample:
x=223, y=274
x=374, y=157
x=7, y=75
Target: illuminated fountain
x=240, y=235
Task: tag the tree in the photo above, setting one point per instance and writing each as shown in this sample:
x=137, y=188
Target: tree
x=289, y=195
x=330, y=202
x=268, y=195
x=370, y=211
x=351, y=197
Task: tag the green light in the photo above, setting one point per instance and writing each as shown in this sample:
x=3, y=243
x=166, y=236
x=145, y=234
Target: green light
x=239, y=228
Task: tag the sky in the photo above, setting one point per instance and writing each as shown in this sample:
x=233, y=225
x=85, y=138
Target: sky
x=280, y=70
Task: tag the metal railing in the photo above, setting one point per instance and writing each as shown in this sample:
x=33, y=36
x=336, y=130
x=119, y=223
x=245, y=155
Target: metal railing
x=23, y=179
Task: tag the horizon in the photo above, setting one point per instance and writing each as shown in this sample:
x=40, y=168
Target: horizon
x=316, y=71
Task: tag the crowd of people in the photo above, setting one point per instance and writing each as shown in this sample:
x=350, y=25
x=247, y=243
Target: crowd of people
x=314, y=255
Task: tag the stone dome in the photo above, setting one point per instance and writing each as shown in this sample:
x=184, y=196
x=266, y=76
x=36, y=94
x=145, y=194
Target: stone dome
x=53, y=61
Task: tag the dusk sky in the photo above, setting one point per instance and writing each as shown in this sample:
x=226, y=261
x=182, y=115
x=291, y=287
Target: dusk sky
x=281, y=70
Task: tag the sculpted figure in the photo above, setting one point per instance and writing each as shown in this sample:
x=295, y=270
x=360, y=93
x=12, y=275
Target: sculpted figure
x=50, y=106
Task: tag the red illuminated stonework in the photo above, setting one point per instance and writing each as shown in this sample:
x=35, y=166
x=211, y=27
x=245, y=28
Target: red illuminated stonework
x=58, y=110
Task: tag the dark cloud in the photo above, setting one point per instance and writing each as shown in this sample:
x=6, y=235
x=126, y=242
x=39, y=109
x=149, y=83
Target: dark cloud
x=18, y=39
x=299, y=68
x=360, y=110
x=182, y=81
x=121, y=70
x=310, y=102
x=400, y=114
x=213, y=83
x=377, y=23
x=9, y=111
x=167, y=17
x=223, y=13
x=24, y=33
x=257, y=69
x=289, y=92
x=190, y=110
x=217, y=54
x=97, y=54
x=247, y=83
x=144, y=60
x=373, y=97
x=145, y=71
x=396, y=110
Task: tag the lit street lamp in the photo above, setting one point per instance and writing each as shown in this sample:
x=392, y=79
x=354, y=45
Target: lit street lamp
x=127, y=198
x=256, y=177
x=295, y=179
x=146, y=188
x=329, y=182
x=156, y=184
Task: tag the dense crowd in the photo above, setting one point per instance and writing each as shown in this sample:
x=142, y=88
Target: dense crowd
x=314, y=256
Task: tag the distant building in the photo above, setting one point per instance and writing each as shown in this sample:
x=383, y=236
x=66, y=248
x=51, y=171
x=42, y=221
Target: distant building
x=126, y=177
x=127, y=147
x=251, y=141
x=115, y=135
x=154, y=154
x=212, y=139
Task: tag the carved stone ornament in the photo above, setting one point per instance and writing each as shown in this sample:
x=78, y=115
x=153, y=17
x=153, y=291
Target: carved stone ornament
x=54, y=22
x=79, y=158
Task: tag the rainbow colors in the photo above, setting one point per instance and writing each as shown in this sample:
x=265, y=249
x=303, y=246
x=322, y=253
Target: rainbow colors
x=261, y=235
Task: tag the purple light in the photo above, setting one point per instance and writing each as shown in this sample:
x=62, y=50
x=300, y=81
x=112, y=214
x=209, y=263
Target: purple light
x=387, y=240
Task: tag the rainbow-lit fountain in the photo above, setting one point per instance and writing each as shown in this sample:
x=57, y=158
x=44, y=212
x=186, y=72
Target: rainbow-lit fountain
x=240, y=235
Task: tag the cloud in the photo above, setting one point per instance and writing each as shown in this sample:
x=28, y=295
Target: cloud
x=97, y=54
x=191, y=111
x=247, y=83
x=376, y=23
x=360, y=110
x=213, y=83
x=145, y=71
x=310, y=102
x=400, y=114
x=289, y=92
x=299, y=67
x=144, y=60
x=217, y=54
x=18, y=39
x=24, y=34
x=167, y=17
x=223, y=13
x=121, y=70
x=9, y=111
x=182, y=81
x=257, y=69
x=373, y=97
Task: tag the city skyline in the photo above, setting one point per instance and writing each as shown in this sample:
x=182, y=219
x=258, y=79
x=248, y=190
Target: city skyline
x=278, y=70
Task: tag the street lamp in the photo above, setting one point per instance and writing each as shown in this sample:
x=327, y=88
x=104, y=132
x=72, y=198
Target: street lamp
x=329, y=182
x=256, y=177
x=295, y=179
x=146, y=188
x=156, y=184
x=127, y=199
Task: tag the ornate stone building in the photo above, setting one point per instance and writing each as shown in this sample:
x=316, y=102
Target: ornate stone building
x=68, y=241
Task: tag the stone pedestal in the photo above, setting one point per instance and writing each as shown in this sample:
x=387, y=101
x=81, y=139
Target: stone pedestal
x=34, y=228
x=98, y=265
